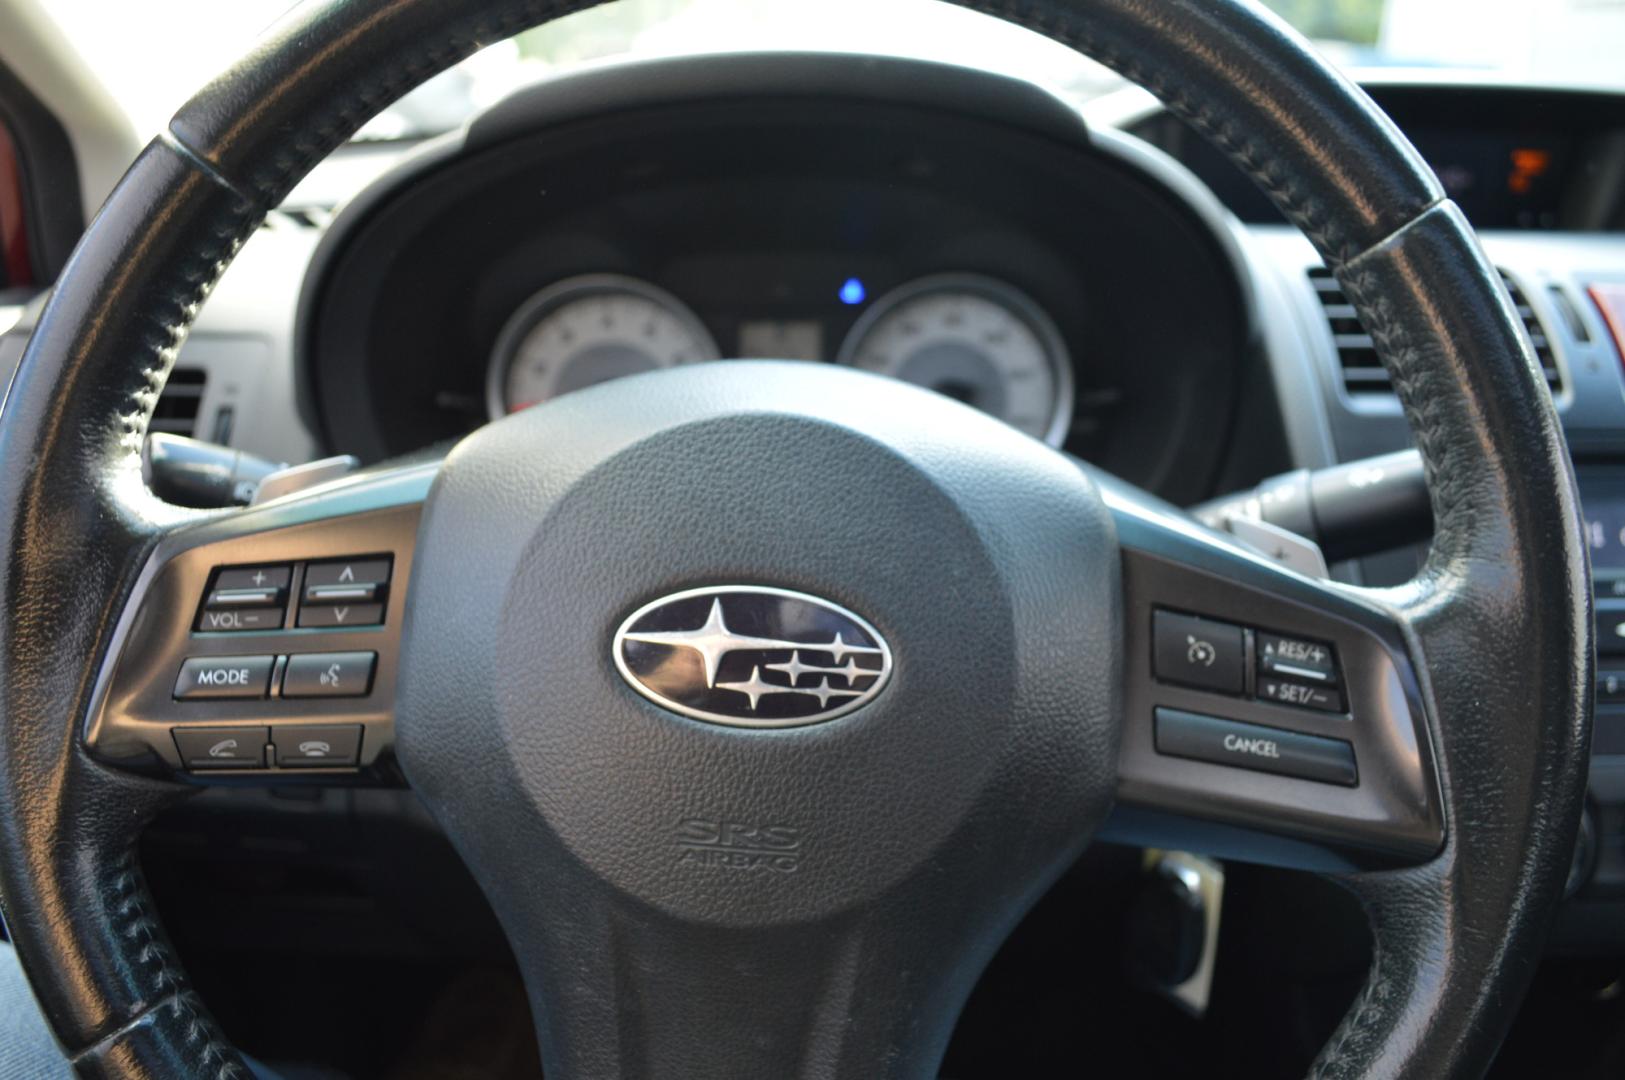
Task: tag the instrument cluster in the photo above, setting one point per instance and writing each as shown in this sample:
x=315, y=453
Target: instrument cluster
x=969, y=336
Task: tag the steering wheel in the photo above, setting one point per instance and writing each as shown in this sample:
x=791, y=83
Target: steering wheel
x=763, y=699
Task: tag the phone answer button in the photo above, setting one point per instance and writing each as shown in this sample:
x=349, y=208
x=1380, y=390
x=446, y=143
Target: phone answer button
x=221, y=747
x=315, y=746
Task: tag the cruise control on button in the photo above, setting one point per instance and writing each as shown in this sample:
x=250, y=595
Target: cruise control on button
x=1198, y=652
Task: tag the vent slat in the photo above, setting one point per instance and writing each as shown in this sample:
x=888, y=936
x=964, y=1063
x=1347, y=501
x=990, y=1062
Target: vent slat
x=177, y=410
x=1362, y=369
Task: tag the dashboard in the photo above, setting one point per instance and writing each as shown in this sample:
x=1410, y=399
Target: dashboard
x=1023, y=267
x=1513, y=158
x=1121, y=293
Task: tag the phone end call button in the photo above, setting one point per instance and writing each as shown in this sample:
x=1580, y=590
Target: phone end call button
x=313, y=746
x=221, y=748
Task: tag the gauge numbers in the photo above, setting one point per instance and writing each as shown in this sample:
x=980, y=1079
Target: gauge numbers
x=588, y=330
x=976, y=340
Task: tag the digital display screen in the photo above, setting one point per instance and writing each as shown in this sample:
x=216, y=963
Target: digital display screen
x=1500, y=179
x=781, y=339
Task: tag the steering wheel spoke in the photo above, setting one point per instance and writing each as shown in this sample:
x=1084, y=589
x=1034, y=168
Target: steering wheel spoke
x=261, y=646
x=1268, y=715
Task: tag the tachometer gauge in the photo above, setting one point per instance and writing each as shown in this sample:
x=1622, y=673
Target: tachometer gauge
x=587, y=330
x=975, y=339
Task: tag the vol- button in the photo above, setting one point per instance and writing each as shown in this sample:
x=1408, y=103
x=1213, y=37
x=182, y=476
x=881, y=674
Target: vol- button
x=234, y=620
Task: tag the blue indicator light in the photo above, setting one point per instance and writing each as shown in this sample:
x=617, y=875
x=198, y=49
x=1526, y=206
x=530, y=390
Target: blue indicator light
x=852, y=291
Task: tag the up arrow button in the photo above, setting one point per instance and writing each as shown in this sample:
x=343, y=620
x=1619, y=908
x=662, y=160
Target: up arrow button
x=348, y=572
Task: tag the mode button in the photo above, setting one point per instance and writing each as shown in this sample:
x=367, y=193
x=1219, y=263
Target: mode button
x=204, y=677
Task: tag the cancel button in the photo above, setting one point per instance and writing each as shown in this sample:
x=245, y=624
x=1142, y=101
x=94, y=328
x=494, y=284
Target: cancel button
x=1249, y=746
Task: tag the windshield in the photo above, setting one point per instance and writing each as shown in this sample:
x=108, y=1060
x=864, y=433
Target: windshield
x=155, y=53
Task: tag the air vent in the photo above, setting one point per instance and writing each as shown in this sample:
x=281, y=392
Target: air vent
x=177, y=408
x=1537, y=335
x=1363, y=373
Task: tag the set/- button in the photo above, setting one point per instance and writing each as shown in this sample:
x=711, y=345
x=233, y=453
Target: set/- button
x=1304, y=696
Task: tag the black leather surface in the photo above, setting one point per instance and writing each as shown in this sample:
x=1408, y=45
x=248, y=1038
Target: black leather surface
x=927, y=822
x=76, y=522
x=1506, y=593
x=1502, y=619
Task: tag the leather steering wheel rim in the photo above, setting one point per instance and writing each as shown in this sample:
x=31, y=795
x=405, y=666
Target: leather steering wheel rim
x=1506, y=588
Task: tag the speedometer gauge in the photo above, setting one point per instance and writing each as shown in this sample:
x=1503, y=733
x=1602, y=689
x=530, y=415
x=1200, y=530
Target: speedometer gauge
x=587, y=330
x=974, y=339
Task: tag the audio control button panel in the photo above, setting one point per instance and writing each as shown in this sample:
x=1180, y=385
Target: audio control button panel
x=262, y=647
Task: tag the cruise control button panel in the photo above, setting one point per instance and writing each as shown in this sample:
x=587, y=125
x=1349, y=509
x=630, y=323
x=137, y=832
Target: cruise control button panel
x=1250, y=746
x=1245, y=661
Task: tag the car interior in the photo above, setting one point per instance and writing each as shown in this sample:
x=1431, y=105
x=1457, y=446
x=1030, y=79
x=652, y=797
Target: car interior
x=734, y=538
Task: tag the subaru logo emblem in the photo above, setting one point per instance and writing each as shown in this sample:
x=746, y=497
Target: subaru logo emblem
x=750, y=656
